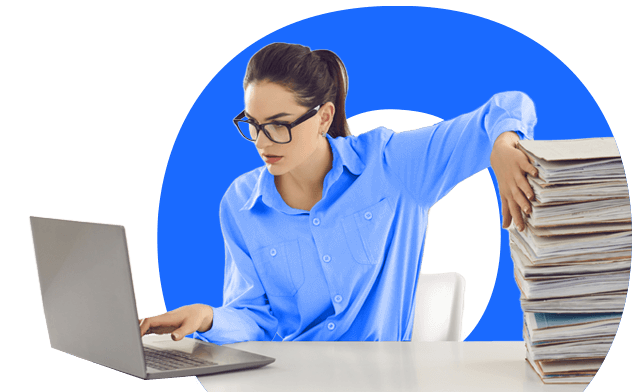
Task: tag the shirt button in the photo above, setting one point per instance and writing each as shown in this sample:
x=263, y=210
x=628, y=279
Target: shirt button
x=367, y=215
x=338, y=298
x=316, y=221
x=331, y=326
x=326, y=258
x=272, y=252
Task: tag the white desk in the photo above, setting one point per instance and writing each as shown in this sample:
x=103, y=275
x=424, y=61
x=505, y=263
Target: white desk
x=383, y=366
x=386, y=366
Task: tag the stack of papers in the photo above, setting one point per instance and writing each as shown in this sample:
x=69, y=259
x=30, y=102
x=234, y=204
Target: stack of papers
x=573, y=259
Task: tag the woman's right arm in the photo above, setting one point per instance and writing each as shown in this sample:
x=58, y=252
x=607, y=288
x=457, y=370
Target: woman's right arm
x=245, y=314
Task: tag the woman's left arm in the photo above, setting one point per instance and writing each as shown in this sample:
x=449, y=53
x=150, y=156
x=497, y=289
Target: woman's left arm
x=430, y=161
x=511, y=167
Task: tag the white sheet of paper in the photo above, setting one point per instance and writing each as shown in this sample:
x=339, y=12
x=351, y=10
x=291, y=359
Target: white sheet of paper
x=560, y=150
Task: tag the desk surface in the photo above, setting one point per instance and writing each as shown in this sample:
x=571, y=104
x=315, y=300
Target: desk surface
x=386, y=366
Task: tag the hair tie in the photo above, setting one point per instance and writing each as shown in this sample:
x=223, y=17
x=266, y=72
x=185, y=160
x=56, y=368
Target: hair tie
x=323, y=54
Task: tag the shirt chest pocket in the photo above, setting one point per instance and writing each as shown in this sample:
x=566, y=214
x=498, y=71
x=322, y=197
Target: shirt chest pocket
x=280, y=269
x=367, y=230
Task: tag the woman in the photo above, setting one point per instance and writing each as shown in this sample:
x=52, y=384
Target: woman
x=324, y=242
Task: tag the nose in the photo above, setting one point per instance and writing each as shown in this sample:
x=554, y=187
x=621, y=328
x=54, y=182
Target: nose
x=262, y=141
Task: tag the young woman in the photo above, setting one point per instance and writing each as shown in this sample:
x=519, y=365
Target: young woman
x=324, y=241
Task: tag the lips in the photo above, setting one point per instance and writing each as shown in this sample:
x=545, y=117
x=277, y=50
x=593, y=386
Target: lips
x=271, y=158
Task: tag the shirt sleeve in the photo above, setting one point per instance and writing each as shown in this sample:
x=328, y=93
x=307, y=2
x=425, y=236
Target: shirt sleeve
x=245, y=314
x=430, y=161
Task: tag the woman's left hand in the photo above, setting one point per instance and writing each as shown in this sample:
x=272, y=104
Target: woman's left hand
x=510, y=166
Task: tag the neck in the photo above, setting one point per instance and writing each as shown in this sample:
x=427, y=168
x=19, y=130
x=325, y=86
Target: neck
x=307, y=179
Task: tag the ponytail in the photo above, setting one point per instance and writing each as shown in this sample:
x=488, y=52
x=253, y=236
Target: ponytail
x=338, y=72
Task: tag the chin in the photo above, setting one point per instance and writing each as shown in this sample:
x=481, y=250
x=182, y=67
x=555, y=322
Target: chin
x=275, y=170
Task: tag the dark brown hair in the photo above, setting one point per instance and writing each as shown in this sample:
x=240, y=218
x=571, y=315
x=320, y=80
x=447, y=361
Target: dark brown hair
x=315, y=77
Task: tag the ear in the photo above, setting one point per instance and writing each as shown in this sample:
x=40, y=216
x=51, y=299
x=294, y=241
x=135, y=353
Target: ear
x=326, y=113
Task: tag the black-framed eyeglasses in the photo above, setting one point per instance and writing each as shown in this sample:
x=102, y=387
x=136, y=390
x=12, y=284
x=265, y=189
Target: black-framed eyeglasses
x=276, y=132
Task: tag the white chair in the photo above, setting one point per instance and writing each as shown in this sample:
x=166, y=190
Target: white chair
x=439, y=305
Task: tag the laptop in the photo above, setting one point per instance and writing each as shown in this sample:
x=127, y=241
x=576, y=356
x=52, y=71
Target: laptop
x=90, y=307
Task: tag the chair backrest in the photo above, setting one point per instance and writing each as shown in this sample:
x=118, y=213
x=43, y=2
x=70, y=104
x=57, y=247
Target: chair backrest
x=439, y=305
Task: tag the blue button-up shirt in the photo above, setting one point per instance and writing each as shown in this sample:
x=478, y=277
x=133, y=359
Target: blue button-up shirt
x=348, y=269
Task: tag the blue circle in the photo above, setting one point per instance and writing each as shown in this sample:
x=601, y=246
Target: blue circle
x=441, y=62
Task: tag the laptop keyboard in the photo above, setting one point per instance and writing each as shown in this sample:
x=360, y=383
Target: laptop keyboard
x=172, y=359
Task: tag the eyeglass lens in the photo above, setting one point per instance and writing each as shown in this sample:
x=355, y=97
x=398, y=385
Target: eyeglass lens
x=278, y=133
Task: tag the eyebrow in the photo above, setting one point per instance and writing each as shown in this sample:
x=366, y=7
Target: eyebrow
x=269, y=118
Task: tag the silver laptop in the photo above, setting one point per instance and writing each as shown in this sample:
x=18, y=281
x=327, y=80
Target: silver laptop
x=90, y=307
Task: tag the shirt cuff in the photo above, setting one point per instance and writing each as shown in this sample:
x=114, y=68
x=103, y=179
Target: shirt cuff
x=203, y=335
x=229, y=326
x=511, y=124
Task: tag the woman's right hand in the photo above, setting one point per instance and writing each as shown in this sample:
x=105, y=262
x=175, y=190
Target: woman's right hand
x=179, y=322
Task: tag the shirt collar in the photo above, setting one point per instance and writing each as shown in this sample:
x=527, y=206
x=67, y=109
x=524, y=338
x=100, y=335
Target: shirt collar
x=343, y=156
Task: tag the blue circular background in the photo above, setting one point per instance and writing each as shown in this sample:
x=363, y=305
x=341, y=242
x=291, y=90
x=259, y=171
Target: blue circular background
x=440, y=62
